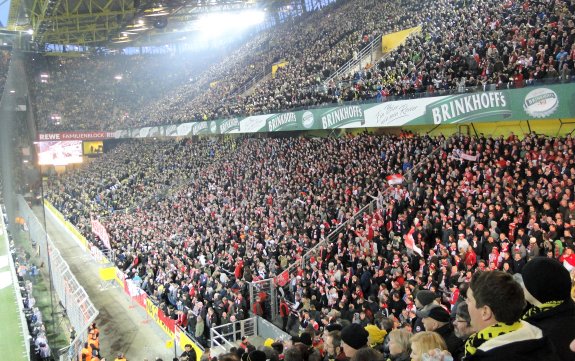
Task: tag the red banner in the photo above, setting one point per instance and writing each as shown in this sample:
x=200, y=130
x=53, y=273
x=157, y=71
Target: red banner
x=100, y=231
x=76, y=136
x=282, y=278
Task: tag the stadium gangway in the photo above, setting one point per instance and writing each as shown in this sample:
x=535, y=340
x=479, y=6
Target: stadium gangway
x=269, y=286
x=356, y=61
x=222, y=337
x=377, y=202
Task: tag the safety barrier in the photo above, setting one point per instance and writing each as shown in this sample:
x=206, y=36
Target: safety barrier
x=80, y=310
x=223, y=336
x=137, y=296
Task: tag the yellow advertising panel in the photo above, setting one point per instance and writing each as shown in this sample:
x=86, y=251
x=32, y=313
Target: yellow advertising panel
x=107, y=274
x=184, y=340
x=276, y=66
x=93, y=147
x=391, y=41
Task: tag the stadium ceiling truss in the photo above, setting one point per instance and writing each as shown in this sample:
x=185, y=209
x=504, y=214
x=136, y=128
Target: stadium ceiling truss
x=105, y=22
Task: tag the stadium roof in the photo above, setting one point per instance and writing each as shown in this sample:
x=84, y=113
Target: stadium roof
x=109, y=22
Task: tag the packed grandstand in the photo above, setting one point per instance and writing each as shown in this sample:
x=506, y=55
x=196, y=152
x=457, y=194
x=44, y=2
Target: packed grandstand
x=510, y=44
x=365, y=227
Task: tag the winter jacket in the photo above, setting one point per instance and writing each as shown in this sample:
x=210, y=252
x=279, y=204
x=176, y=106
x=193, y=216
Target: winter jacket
x=558, y=324
x=525, y=344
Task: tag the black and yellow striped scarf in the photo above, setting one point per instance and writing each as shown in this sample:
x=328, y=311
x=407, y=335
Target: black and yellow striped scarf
x=534, y=310
x=479, y=338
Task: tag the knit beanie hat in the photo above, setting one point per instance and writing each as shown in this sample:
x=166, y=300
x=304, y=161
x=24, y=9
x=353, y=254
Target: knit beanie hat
x=257, y=355
x=355, y=336
x=305, y=338
x=546, y=279
x=425, y=297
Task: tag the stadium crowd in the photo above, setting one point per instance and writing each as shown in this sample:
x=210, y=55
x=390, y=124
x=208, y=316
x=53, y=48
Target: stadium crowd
x=4, y=63
x=258, y=205
x=513, y=43
x=27, y=273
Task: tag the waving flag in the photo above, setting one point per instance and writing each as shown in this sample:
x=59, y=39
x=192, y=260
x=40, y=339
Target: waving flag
x=394, y=179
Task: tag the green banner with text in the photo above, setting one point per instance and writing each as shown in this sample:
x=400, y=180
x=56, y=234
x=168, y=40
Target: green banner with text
x=534, y=102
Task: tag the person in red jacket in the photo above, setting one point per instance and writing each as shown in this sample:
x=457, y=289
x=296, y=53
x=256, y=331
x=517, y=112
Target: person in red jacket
x=238, y=272
x=469, y=258
x=182, y=320
x=568, y=258
x=257, y=307
x=284, y=312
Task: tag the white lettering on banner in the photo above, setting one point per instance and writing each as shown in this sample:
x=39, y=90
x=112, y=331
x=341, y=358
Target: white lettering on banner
x=54, y=136
x=198, y=127
x=281, y=120
x=229, y=124
x=76, y=136
x=184, y=129
x=469, y=157
x=254, y=123
x=463, y=105
x=397, y=113
x=338, y=116
x=144, y=132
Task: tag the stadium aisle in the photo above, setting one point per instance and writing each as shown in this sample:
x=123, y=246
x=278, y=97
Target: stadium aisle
x=123, y=329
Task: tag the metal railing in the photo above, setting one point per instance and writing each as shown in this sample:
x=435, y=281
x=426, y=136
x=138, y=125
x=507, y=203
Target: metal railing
x=222, y=337
x=247, y=85
x=268, y=288
x=355, y=62
x=79, y=308
x=378, y=202
x=268, y=285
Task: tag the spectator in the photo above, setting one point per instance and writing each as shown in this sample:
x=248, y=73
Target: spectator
x=189, y=353
x=424, y=342
x=423, y=299
x=547, y=287
x=437, y=319
x=367, y=354
x=399, y=345
x=495, y=303
x=462, y=323
x=332, y=346
x=353, y=338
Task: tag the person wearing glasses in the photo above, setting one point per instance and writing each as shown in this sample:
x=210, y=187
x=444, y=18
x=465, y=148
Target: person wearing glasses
x=462, y=325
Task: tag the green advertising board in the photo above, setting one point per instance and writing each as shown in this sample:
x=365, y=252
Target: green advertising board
x=541, y=102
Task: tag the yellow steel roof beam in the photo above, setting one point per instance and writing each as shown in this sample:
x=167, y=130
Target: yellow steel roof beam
x=13, y=15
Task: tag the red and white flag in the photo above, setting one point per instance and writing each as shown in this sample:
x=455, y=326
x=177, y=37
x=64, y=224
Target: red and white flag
x=410, y=242
x=282, y=279
x=99, y=230
x=468, y=157
x=394, y=179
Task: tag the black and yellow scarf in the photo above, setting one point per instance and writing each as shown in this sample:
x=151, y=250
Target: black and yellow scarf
x=534, y=310
x=479, y=338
